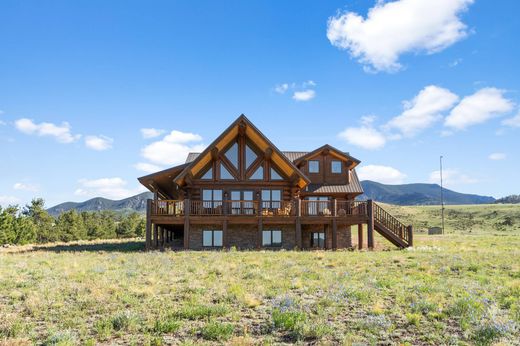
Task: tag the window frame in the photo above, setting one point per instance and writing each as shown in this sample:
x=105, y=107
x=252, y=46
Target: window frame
x=271, y=237
x=213, y=231
x=313, y=245
x=318, y=165
x=271, y=203
x=212, y=203
x=332, y=166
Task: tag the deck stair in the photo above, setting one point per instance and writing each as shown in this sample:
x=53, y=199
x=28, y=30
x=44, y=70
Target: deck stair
x=391, y=228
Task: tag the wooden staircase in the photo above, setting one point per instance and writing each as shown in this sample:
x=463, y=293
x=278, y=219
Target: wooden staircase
x=391, y=228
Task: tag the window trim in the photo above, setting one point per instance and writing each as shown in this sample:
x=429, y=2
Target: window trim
x=271, y=203
x=332, y=167
x=324, y=240
x=212, y=238
x=318, y=171
x=213, y=203
x=272, y=244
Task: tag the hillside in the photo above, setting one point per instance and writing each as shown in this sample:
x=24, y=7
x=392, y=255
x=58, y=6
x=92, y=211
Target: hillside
x=134, y=203
x=417, y=194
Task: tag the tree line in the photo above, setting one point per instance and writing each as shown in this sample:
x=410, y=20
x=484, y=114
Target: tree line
x=33, y=224
x=513, y=199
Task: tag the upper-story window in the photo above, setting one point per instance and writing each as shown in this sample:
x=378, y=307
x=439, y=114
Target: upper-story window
x=314, y=166
x=232, y=154
x=335, y=166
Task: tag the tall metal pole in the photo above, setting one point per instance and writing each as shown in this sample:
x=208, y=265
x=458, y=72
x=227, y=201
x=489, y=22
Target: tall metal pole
x=442, y=197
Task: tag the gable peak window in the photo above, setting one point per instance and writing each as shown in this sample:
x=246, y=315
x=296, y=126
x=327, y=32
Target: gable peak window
x=314, y=166
x=250, y=156
x=225, y=174
x=208, y=175
x=232, y=154
x=275, y=175
x=258, y=174
x=335, y=166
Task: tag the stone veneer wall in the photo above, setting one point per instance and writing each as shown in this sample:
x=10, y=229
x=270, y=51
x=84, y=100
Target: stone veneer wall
x=344, y=233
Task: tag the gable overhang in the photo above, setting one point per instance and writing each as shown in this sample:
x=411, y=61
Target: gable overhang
x=260, y=140
x=163, y=182
x=330, y=150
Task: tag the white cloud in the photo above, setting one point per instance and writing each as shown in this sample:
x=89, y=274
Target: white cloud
x=151, y=132
x=485, y=104
x=365, y=136
x=451, y=177
x=397, y=27
x=113, y=188
x=304, y=95
x=98, y=143
x=173, y=148
x=497, y=156
x=25, y=187
x=8, y=200
x=381, y=174
x=61, y=133
x=281, y=88
x=309, y=83
x=513, y=122
x=423, y=110
x=147, y=167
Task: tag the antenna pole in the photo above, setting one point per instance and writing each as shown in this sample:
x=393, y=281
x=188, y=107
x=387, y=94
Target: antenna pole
x=442, y=197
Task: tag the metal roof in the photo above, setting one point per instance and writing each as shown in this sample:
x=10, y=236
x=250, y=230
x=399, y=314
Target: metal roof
x=291, y=155
x=353, y=187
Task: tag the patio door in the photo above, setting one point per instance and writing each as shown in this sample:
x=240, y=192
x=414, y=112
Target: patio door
x=242, y=202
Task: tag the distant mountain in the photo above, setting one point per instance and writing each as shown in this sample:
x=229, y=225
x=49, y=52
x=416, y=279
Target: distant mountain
x=407, y=194
x=417, y=194
x=135, y=203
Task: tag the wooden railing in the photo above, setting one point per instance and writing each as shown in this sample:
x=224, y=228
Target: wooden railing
x=333, y=208
x=241, y=208
x=391, y=223
x=278, y=208
x=168, y=207
x=206, y=208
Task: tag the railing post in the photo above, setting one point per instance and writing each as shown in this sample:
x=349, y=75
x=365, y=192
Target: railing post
x=298, y=226
x=186, y=223
x=370, y=224
x=410, y=235
x=335, y=208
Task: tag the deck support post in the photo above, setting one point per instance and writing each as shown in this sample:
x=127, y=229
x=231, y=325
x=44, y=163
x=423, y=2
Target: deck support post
x=155, y=236
x=409, y=229
x=148, y=224
x=334, y=234
x=360, y=235
x=186, y=224
x=299, y=244
x=370, y=224
x=225, y=237
x=259, y=235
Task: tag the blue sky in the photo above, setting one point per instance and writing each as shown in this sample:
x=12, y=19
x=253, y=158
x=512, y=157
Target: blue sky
x=394, y=83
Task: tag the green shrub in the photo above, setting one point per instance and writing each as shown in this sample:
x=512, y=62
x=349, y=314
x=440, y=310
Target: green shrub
x=217, y=331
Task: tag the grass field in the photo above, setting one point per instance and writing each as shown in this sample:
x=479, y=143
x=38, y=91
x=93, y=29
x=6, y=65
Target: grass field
x=460, y=288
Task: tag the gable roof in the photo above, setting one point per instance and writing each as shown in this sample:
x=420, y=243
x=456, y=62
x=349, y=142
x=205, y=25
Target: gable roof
x=162, y=180
x=263, y=143
x=332, y=151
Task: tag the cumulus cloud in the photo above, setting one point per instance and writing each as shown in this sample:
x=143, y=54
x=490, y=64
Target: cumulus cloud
x=497, y=156
x=151, y=132
x=485, y=104
x=364, y=136
x=451, y=177
x=423, y=110
x=173, y=148
x=513, y=122
x=397, y=27
x=381, y=174
x=62, y=133
x=8, y=200
x=281, y=88
x=304, y=95
x=147, y=167
x=113, y=188
x=98, y=143
x=25, y=187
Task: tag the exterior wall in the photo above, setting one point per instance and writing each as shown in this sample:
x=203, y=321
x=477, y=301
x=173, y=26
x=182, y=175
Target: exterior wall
x=344, y=237
x=325, y=175
x=344, y=234
x=243, y=237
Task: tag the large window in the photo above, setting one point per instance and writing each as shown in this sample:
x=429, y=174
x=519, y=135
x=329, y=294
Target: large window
x=271, y=199
x=242, y=203
x=335, y=166
x=314, y=166
x=318, y=240
x=232, y=154
x=211, y=198
x=272, y=238
x=250, y=156
x=212, y=238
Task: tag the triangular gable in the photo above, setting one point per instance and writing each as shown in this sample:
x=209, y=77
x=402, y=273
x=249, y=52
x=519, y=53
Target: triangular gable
x=340, y=155
x=261, y=141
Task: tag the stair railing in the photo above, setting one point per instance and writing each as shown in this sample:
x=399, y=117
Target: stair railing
x=391, y=223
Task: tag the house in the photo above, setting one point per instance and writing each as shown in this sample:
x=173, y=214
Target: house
x=243, y=192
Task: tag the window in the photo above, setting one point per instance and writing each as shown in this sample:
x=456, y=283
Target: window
x=224, y=173
x=335, y=166
x=232, y=154
x=211, y=238
x=314, y=166
x=318, y=205
x=242, y=203
x=211, y=198
x=275, y=175
x=272, y=238
x=208, y=175
x=271, y=199
x=318, y=240
x=258, y=174
x=250, y=156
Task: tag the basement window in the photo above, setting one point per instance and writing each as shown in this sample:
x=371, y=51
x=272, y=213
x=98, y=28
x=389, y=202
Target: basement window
x=272, y=238
x=212, y=238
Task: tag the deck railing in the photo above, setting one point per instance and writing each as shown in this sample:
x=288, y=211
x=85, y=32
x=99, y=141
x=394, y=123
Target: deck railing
x=258, y=208
x=391, y=223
